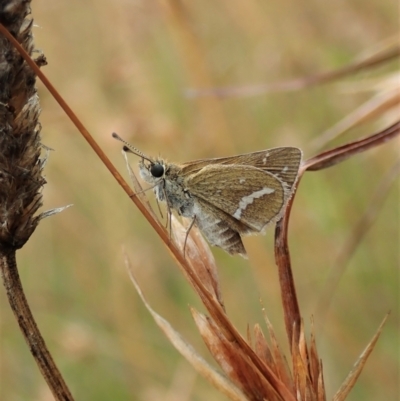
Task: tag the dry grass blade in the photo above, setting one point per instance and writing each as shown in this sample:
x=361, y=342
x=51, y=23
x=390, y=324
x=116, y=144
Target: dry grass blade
x=341, y=153
x=382, y=56
x=282, y=368
x=307, y=369
x=199, y=256
x=261, y=347
x=186, y=350
x=234, y=362
x=384, y=101
x=321, y=384
x=358, y=232
x=351, y=379
x=315, y=366
x=193, y=58
x=301, y=372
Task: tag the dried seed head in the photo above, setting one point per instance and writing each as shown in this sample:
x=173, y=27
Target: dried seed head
x=20, y=164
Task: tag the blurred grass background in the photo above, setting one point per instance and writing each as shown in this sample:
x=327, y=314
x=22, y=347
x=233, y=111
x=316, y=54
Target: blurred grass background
x=123, y=67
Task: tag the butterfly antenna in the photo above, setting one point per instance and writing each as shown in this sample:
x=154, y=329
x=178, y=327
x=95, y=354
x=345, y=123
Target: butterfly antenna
x=129, y=148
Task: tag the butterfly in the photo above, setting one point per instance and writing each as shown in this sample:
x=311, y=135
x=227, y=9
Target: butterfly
x=226, y=197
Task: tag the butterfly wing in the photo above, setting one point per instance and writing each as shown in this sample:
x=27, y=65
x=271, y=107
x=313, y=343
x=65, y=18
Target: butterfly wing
x=281, y=162
x=220, y=228
x=248, y=194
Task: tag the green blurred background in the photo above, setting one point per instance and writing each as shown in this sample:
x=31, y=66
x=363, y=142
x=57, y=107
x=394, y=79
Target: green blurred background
x=124, y=66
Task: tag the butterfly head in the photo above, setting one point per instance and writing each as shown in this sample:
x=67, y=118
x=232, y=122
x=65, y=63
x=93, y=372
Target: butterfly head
x=152, y=171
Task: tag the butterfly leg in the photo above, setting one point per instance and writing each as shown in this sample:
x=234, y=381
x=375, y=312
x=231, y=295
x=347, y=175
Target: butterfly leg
x=169, y=213
x=187, y=235
x=159, y=208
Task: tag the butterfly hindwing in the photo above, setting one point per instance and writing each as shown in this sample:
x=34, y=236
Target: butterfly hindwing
x=219, y=228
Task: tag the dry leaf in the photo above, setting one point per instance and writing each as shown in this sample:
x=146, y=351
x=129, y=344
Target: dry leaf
x=187, y=351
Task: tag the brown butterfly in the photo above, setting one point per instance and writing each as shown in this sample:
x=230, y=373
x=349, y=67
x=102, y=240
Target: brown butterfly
x=225, y=197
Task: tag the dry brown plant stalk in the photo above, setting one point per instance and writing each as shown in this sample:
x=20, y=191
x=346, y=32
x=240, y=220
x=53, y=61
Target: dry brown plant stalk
x=21, y=179
x=381, y=56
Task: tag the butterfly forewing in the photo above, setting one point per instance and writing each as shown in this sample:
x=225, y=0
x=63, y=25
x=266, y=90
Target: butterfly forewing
x=283, y=162
x=258, y=195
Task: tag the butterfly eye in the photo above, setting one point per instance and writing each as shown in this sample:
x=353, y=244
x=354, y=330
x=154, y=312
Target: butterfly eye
x=157, y=170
